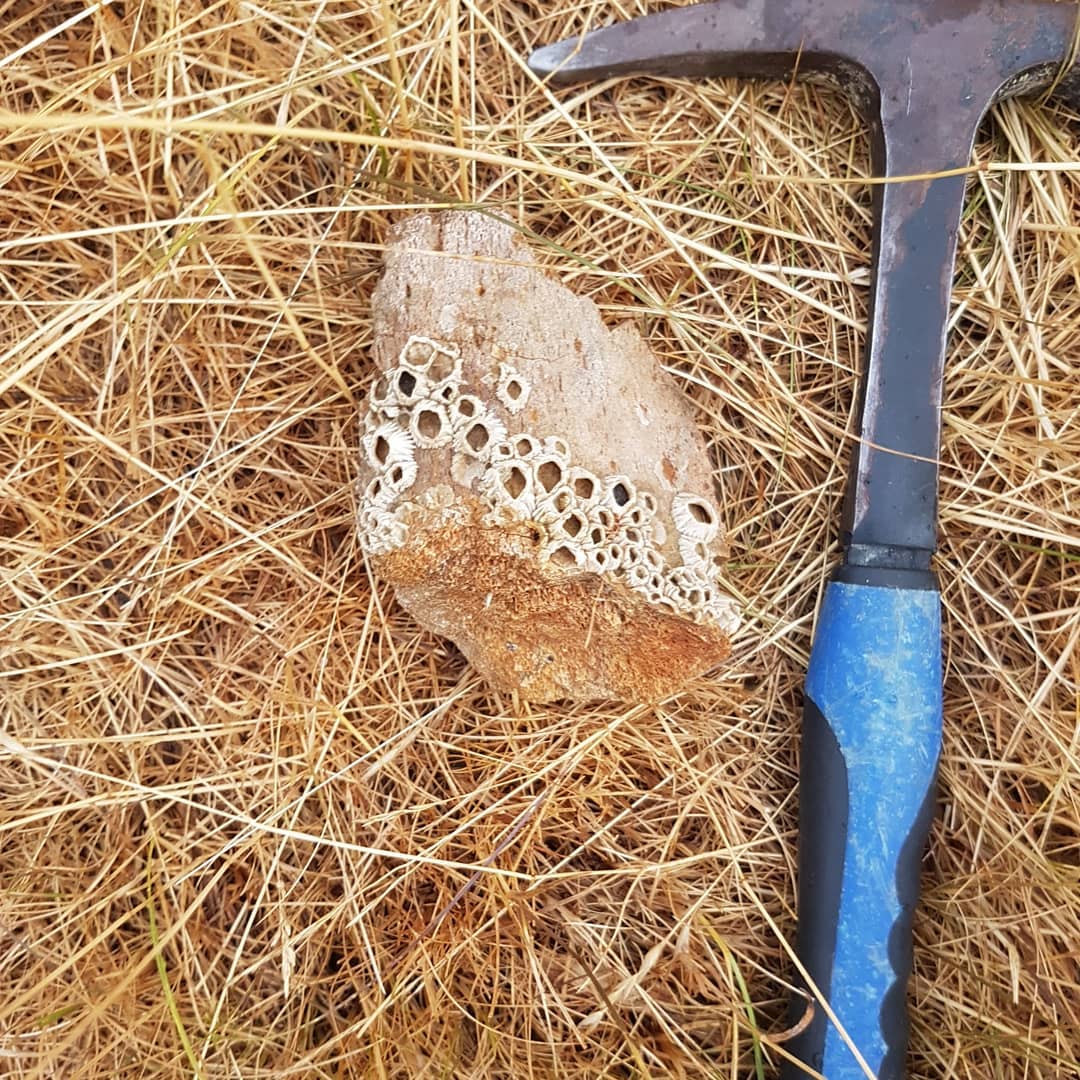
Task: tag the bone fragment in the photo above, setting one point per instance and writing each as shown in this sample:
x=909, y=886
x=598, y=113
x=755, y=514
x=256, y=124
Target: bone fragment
x=533, y=484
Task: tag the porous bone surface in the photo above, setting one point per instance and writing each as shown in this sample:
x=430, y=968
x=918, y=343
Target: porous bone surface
x=533, y=484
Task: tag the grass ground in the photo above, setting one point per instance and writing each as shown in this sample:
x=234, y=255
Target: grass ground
x=253, y=822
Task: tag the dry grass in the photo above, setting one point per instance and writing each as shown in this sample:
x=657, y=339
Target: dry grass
x=256, y=824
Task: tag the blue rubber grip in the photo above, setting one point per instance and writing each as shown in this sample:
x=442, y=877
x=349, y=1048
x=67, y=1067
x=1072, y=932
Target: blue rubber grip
x=871, y=742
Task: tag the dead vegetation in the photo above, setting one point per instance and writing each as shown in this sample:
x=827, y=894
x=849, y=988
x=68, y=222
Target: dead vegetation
x=254, y=824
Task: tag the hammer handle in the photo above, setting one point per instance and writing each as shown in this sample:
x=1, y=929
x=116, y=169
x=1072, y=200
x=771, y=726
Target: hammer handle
x=871, y=742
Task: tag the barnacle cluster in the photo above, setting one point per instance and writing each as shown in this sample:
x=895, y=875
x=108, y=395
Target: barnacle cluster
x=587, y=523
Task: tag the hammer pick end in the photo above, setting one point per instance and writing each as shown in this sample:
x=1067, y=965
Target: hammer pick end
x=557, y=61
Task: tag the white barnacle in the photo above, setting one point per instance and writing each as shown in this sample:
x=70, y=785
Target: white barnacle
x=382, y=398
x=544, y=511
x=619, y=493
x=508, y=484
x=647, y=501
x=418, y=353
x=666, y=603
x=616, y=552
x=596, y=535
x=598, y=559
x=694, y=517
x=407, y=387
x=554, y=503
x=553, y=444
x=585, y=486
x=565, y=554
x=444, y=369
x=725, y=613
x=679, y=600
x=465, y=409
x=512, y=388
x=386, y=443
x=430, y=425
x=572, y=525
x=526, y=447
x=694, y=553
x=550, y=473
x=377, y=493
x=479, y=437
x=400, y=475
x=638, y=576
x=446, y=392
x=502, y=451
x=367, y=518
x=380, y=531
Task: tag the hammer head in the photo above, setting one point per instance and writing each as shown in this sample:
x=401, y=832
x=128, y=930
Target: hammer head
x=945, y=61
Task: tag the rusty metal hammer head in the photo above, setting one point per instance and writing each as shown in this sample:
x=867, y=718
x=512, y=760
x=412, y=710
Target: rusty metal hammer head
x=923, y=73
x=960, y=54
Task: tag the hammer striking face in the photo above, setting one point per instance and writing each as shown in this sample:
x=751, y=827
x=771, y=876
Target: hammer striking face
x=923, y=74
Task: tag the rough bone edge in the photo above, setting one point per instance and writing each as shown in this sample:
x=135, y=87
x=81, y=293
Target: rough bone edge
x=466, y=279
x=574, y=635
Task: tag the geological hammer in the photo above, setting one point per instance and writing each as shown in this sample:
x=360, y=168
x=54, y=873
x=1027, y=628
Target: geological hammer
x=923, y=74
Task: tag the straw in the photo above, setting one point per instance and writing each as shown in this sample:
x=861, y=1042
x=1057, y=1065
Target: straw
x=253, y=822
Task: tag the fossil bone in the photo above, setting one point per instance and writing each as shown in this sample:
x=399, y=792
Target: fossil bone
x=533, y=484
